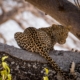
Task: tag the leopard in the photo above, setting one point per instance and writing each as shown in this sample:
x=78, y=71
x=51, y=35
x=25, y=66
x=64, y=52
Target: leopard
x=42, y=41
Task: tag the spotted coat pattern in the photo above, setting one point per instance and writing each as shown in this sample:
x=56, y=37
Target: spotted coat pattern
x=42, y=40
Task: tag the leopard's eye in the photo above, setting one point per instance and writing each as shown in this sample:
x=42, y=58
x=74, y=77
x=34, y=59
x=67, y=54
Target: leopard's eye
x=66, y=34
x=62, y=42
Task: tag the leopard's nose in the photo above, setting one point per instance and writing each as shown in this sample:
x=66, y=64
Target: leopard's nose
x=62, y=41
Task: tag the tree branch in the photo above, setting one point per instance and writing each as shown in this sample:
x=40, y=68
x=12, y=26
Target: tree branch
x=19, y=57
x=67, y=14
x=62, y=58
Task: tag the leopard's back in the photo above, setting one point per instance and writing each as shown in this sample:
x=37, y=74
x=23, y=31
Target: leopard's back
x=33, y=40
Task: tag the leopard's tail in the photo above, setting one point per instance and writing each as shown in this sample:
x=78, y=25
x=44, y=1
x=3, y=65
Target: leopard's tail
x=54, y=65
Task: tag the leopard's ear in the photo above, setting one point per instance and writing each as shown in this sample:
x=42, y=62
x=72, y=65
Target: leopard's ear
x=69, y=27
x=55, y=26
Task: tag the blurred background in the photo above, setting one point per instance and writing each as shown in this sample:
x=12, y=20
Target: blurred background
x=16, y=15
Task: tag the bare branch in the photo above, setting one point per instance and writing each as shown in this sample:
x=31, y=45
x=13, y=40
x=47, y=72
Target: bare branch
x=1, y=36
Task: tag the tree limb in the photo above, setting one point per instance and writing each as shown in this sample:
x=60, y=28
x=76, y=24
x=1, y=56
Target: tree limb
x=67, y=14
x=62, y=58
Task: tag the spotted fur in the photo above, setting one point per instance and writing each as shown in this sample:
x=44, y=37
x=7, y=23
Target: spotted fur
x=42, y=41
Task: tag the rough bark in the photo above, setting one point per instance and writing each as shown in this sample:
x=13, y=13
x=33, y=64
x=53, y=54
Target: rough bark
x=62, y=58
x=22, y=57
x=66, y=13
